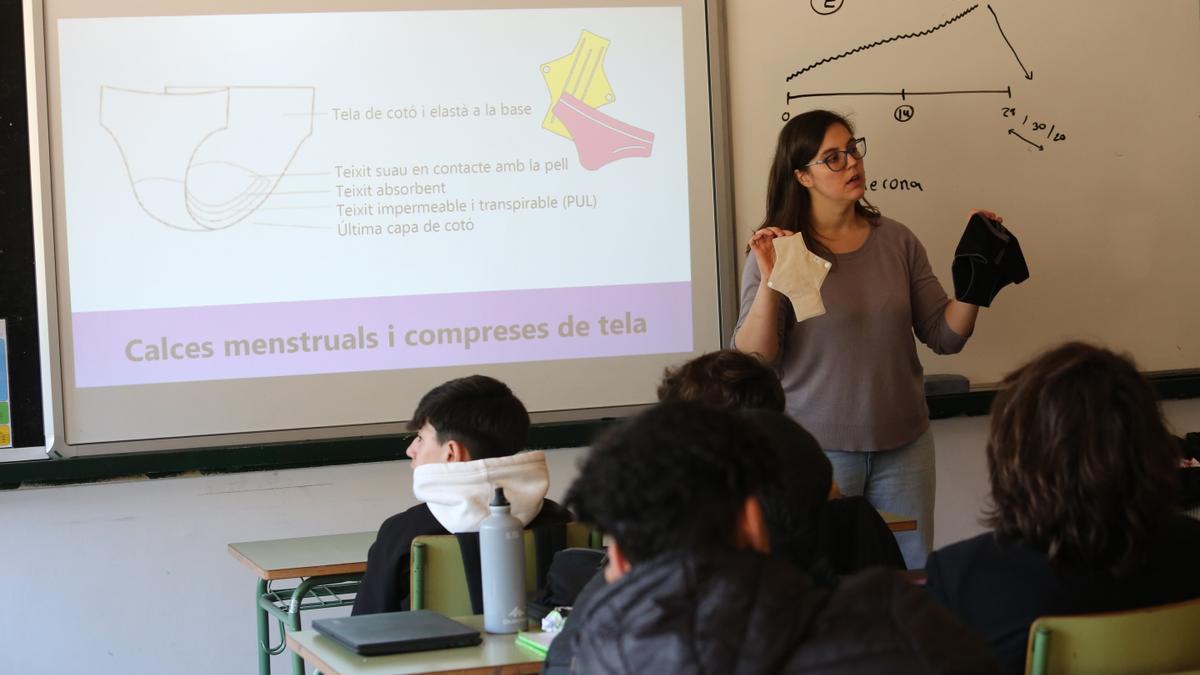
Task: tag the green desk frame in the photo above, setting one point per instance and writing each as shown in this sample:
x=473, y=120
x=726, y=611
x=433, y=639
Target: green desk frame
x=328, y=569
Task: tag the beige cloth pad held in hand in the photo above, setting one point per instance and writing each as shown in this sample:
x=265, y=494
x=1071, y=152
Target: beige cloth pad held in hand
x=798, y=274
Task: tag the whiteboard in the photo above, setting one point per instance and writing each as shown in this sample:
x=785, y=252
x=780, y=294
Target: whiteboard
x=1078, y=122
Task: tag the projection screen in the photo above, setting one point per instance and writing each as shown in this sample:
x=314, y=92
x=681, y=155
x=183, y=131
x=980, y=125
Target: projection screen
x=277, y=221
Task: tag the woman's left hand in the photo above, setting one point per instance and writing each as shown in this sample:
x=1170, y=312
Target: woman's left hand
x=990, y=215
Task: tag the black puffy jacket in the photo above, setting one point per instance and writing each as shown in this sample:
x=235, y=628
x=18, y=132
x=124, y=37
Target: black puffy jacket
x=739, y=612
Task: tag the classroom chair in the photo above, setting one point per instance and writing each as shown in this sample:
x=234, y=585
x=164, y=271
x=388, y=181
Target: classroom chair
x=1151, y=640
x=439, y=579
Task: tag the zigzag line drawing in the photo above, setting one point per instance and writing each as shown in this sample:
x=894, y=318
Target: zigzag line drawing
x=903, y=36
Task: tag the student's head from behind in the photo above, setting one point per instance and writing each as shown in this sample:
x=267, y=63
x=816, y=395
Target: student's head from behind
x=678, y=477
x=797, y=492
x=474, y=417
x=1081, y=464
x=725, y=379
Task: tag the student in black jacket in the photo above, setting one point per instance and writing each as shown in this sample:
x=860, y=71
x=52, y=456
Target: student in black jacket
x=691, y=584
x=468, y=433
x=844, y=535
x=1083, y=488
x=821, y=537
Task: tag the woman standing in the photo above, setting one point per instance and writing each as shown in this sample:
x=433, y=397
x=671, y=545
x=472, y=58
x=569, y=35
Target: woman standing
x=851, y=375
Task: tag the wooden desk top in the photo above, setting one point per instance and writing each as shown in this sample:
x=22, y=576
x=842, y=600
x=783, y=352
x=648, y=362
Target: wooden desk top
x=497, y=654
x=305, y=556
x=899, y=523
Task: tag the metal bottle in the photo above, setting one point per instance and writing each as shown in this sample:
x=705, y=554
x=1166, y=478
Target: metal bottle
x=502, y=565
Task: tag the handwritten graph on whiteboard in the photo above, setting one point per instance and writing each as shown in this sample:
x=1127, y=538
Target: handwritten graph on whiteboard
x=980, y=27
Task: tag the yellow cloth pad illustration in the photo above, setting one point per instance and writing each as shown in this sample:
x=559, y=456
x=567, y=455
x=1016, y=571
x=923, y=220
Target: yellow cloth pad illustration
x=580, y=74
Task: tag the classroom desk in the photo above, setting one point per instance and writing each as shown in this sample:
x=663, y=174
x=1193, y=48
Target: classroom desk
x=497, y=654
x=328, y=569
x=899, y=523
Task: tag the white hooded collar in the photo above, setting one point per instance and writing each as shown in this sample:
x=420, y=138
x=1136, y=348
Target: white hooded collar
x=458, y=493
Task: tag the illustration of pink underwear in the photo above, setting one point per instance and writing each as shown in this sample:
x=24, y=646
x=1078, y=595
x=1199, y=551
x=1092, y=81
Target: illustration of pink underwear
x=600, y=139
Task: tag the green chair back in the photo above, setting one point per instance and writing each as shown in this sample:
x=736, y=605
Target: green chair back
x=438, y=581
x=1163, y=639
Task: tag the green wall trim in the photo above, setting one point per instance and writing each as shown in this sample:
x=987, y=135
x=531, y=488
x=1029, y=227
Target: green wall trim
x=1170, y=384
x=238, y=459
x=1177, y=384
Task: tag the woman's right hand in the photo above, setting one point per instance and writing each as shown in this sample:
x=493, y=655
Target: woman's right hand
x=762, y=243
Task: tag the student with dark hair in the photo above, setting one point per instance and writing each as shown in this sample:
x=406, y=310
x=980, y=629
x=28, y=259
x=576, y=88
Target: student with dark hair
x=795, y=499
x=679, y=490
x=842, y=536
x=824, y=538
x=851, y=374
x=1083, y=504
x=468, y=434
x=725, y=379
x=478, y=412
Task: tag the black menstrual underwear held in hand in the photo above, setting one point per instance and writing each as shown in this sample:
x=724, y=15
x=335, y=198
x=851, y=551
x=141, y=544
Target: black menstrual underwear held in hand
x=987, y=259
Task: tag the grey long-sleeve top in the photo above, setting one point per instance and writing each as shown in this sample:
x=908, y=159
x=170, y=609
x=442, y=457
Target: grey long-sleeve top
x=851, y=375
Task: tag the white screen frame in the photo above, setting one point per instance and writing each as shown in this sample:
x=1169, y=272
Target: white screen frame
x=713, y=273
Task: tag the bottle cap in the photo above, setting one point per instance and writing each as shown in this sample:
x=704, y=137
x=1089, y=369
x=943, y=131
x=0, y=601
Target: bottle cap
x=498, y=499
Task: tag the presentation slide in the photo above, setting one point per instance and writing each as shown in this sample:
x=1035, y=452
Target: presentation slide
x=264, y=195
x=5, y=419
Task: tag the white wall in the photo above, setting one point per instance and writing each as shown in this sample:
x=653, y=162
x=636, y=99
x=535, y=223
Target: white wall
x=134, y=577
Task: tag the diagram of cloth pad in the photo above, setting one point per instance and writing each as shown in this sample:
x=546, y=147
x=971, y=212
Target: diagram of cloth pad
x=205, y=158
x=798, y=274
x=578, y=86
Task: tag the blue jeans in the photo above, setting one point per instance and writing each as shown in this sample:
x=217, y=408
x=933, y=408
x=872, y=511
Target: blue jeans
x=901, y=481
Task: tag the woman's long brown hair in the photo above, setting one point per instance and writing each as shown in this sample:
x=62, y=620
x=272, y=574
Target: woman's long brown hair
x=789, y=204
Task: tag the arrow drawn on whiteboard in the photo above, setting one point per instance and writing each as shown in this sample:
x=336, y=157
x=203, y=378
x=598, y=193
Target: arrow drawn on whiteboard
x=1014, y=133
x=1028, y=73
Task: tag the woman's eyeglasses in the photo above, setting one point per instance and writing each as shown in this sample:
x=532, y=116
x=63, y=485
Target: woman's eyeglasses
x=836, y=160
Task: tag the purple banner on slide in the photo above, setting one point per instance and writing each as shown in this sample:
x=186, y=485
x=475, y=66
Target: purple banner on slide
x=335, y=336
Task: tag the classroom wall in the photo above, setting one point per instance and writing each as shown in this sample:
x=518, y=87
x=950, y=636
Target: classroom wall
x=134, y=576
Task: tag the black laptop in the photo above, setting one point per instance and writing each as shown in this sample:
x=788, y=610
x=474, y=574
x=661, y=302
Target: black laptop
x=396, y=632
